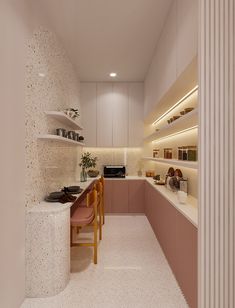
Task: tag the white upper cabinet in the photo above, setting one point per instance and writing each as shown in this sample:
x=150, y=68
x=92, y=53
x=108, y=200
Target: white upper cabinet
x=175, y=50
x=120, y=114
x=136, y=114
x=166, y=56
x=187, y=33
x=104, y=115
x=88, y=108
x=162, y=71
x=112, y=114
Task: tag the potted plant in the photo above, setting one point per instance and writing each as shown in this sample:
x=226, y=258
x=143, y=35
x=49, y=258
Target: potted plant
x=72, y=113
x=87, y=161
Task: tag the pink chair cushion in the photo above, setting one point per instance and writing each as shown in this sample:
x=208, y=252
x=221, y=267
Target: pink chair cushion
x=82, y=204
x=82, y=216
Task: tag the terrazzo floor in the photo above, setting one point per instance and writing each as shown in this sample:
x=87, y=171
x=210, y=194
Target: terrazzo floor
x=132, y=272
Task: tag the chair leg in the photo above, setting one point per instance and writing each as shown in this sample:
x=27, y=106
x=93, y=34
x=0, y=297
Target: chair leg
x=100, y=222
x=103, y=212
x=95, y=241
x=71, y=236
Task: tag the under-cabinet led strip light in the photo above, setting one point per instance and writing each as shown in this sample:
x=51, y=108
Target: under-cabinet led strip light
x=176, y=104
x=175, y=134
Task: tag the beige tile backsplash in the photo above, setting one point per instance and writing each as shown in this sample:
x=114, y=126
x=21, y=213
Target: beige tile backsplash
x=131, y=157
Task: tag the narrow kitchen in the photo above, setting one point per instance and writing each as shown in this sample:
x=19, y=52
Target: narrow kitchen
x=125, y=197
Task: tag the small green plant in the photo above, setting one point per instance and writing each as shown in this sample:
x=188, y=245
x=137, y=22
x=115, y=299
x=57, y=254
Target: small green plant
x=87, y=161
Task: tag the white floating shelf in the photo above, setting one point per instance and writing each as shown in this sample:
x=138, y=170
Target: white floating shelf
x=64, y=119
x=60, y=139
x=188, y=120
x=176, y=162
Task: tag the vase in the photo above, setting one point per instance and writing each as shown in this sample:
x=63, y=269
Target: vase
x=83, y=175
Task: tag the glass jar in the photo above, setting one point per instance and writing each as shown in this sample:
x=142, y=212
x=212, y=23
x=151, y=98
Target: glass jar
x=168, y=153
x=180, y=153
x=192, y=153
x=156, y=153
x=83, y=175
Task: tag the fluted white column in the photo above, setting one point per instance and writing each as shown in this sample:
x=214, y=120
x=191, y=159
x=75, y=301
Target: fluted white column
x=217, y=155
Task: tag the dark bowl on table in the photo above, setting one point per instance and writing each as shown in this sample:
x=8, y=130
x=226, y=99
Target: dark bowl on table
x=56, y=195
x=72, y=189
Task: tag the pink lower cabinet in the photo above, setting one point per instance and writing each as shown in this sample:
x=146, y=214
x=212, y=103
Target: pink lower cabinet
x=178, y=239
x=186, y=269
x=116, y=196
x=124, y=196
x=108, y=196
x=136, y=196
x=166, y=228
x=151, y=206
x=119, y=196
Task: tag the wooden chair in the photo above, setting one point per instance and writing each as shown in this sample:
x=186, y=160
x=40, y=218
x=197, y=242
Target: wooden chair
x=101, y=180
x=99, y=188
x=86, y=216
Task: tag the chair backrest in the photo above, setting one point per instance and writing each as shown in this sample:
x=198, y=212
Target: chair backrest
x=102, y=181
x=99, y=187
x=91, y=198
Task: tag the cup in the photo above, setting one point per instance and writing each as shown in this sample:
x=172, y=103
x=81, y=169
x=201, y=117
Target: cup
x=60, y=132
x=182, y=196
x=71, y=134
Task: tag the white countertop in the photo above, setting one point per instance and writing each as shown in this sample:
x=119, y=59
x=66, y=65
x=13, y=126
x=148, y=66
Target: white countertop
x=189, y=209
x=53, y=207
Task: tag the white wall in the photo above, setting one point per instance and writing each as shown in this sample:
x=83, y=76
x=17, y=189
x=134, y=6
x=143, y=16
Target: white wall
x=23, y=54
x=14, y=23
x=175, y=49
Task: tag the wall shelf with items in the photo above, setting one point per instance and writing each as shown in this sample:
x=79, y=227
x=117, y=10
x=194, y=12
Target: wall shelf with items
x=64, y=119
x=183, y=123
x=60, y=139
x=176, y=162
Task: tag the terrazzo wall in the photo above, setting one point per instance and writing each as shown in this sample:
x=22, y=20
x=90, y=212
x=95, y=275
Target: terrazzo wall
x=51, y=85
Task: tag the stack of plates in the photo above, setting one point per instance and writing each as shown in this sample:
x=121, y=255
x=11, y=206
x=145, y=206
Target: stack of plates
x=73, y=189
x=55, y=196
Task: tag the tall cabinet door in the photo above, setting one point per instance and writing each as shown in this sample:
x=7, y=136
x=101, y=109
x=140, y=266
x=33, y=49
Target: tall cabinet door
x=104, y=114
x=108, y=192
x=119, y=196
x=88, y=106
x=186, y=270
x=187, y=33
x=136, y=114
x=120, y=114
x=136, y=196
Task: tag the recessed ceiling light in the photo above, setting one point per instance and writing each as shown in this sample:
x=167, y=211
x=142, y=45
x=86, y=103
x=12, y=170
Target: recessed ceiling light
x=113, y=75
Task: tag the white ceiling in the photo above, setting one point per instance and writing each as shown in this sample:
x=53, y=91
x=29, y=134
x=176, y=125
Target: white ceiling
x=103, y=36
